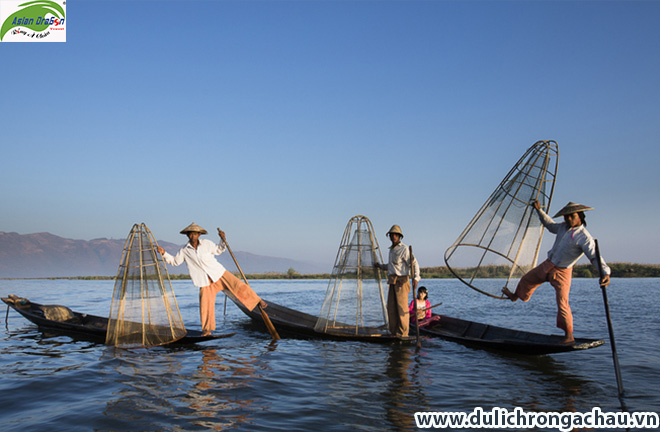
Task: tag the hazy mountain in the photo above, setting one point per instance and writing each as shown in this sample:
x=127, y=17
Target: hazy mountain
x=47, y=255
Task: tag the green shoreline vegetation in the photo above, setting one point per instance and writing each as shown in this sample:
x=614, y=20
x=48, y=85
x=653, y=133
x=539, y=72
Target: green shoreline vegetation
x=619, y=270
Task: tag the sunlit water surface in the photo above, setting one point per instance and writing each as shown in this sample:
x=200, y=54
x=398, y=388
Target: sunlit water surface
x=248, y=383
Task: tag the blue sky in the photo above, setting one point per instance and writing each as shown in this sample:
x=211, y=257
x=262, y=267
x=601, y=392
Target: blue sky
x=280, y=120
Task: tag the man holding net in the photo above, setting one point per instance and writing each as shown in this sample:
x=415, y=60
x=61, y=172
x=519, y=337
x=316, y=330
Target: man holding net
x=398, y=279
x=572, y=241
x=209, y=275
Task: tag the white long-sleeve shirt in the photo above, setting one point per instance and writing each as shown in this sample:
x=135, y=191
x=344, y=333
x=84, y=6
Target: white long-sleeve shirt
x=399, y=262
x=201, y=262
x=570, y=244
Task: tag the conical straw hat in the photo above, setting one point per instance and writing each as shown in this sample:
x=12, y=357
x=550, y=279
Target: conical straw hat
x=396, y=229
x=193, y=227
x=572, y=207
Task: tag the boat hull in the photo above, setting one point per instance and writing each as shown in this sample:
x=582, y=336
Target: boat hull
x=487, y=336
x=89, y=327
x=290, y=322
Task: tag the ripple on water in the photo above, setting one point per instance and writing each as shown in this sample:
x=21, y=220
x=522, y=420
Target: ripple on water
x=247, y=383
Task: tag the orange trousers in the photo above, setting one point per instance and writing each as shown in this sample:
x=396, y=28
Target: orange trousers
x=235, y=288
x=560, y=279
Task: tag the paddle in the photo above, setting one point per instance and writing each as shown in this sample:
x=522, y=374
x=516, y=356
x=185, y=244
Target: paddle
x=615, y=358
x=264, y=315
x=431, y=307
x=412, y=275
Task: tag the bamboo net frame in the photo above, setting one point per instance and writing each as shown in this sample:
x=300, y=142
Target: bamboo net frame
x=144, y=311
x=355, y=299
x=506, y=231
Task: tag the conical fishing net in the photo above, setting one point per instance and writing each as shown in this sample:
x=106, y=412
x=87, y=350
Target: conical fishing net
x=354, y=301
x=144, y=311
x=504, y=237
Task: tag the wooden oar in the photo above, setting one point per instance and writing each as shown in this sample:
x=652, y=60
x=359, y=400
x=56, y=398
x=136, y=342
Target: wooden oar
x=615, y=358
x=412, y=275
x=264, y=315
x=431, y=307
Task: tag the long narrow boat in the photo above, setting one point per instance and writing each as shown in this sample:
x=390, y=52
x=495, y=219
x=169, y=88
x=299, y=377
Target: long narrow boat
x=487, y=336
x=78, y=324
x=299, y=324
x=474, y=334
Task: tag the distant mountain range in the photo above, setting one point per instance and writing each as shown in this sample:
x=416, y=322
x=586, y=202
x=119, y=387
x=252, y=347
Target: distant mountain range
x=47, y=255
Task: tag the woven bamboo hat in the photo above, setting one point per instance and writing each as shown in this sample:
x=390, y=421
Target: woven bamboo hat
x=396, y=229
x=193, y=227
x=572, y=207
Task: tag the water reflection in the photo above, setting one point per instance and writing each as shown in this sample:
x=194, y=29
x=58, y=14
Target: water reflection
x=299, y=385
x=405, y=392
x=156, y=383
x=551, y=380
x=214, y=382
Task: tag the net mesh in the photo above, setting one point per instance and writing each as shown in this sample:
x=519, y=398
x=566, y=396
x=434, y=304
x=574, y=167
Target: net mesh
x=505, y=235
x=144, y=311
x=354, y=301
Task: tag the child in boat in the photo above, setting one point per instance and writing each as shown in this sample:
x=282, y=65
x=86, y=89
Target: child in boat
x=424, y=315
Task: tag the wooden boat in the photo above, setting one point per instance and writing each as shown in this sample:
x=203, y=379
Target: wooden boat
x=82, y=325
x=487, y=336
x=299, y=324
x=474, y=334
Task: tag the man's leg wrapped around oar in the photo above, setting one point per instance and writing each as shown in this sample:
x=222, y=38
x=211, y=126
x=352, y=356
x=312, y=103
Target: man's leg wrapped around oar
x=262, y=305
x=234, y=288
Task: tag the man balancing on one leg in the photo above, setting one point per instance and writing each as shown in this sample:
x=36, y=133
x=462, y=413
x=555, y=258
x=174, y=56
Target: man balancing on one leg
x=209, y=275
x=572, y=241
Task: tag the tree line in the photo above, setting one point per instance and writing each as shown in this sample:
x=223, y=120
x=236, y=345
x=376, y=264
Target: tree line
x=619, y=270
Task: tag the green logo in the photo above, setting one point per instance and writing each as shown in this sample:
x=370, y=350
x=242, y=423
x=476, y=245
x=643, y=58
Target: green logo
x=32, y=15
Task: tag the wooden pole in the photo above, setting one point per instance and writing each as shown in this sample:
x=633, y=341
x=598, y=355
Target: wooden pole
x=412, y=276
x=615, y=357
x=431, y=307
x=264, y=315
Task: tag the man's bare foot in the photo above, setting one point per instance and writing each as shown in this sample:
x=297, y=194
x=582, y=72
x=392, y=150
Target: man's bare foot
x=263, y=304
x=568, y=340
x=208, y=333
x=509, y=294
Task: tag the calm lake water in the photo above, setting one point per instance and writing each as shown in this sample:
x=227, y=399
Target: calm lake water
x=248, y=383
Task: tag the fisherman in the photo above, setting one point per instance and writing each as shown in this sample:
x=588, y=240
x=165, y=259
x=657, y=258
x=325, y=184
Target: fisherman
x=398, y=272
x=209, y=275
x=572, y=241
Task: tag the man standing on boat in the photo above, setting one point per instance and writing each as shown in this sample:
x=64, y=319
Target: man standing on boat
x=572, y=241
x=209, y=275
x=398, y=279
